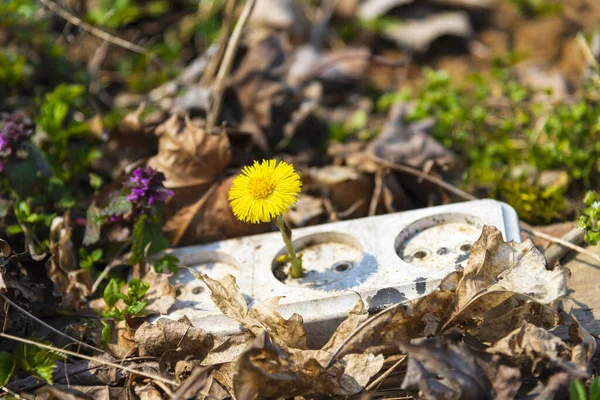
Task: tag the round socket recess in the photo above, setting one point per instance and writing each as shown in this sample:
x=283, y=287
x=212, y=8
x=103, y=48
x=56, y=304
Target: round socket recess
x=441, y=241
x=331, y=261
x=193, y=293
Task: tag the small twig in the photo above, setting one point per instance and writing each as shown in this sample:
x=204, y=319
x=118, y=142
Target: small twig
x=55, y=8
x=15, y=395
x=376, y=192
x=213, y=64
x=383, y=376
x=587, y=52
x=39, y=321
x=228, y=58
x=527, y=228
x=413, y=171
x=93, y=359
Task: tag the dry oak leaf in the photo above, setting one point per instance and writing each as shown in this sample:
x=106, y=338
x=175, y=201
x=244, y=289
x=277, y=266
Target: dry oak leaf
x=496, y=270
x=161, y=295
x=228, y=298
x=444, y=370
x=165, y=334
x=269, y=371
x=187, y=155
x=536, y=347
x=194, y=215
x=503, y=285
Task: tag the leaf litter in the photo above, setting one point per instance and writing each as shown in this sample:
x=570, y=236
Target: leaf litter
x=493, y=330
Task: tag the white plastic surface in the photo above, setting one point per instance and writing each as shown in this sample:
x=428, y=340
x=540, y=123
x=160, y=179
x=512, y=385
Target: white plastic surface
x=386, y=259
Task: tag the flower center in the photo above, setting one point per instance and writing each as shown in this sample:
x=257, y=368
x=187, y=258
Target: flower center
x=262, y=187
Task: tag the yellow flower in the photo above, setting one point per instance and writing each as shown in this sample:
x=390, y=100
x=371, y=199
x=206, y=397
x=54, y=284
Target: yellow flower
x=264, y=191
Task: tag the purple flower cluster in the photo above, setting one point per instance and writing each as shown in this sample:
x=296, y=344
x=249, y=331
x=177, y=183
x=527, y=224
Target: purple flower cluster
x=147, y=187
x=17, y=128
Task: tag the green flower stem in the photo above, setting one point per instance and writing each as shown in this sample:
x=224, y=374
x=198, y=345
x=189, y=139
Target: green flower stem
x=286, y=232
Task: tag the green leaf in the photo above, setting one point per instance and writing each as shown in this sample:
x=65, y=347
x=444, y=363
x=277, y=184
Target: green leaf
x=167, y=262
x=118, y=205
x=97, y=255
x=14, y=229
x=595, y=389
x=106, y=333
x=147, y=234
x=21, y=176
x=136, y=308
x=136, y=290
x=37, y=361
x=577, y=391
x=96, y=181
x=112, y=293
x=7, y=366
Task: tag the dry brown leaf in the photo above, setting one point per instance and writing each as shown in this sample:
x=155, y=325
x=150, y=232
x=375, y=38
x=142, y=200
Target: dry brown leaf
x=161, y=294
x=24, y=280
x=227, y=296
x=187, y=155
x=265, y=103
x=266, y=371
x=496, y=270
x=122, y=342
x=444, y=370
x=264, y=316
x=532, y=346
x=503, y=285
x=195, y=215
x=147, y=392
x=281, y=15
x=345, y=187
x=165, y=334
x=411, y=144
x=285, y=332
x=70, y=282
x=401, y=322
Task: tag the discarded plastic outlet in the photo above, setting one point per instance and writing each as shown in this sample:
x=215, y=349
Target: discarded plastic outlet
x=385, y=259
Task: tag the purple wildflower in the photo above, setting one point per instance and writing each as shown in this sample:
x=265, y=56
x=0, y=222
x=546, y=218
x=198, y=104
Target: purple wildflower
x=16, y=129
x=147, y=187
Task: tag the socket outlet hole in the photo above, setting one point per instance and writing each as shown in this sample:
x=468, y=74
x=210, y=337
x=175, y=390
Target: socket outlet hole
x=192, y=292
x=448, y=235
x=328, y=259
x=342, y=266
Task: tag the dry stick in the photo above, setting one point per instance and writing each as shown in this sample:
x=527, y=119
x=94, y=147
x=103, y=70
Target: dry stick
x=383, y=376
x=94, y=359
x=91, y=29
x=15, y=395
x=226, y=65
x=39, y=321
x=213, y=64
x=451, y=188
x=376, y=192
x=413, y=171
x=562, y=242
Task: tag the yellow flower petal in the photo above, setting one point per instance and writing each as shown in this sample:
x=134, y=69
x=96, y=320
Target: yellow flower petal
x=264, y=191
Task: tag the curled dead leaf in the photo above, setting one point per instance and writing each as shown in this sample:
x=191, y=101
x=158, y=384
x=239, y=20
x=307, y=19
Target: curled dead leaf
x=187, y=155
x=155, y=339
x=443, y=370
x=267, y=370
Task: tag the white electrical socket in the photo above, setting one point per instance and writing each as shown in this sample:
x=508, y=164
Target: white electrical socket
x=384, y=259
